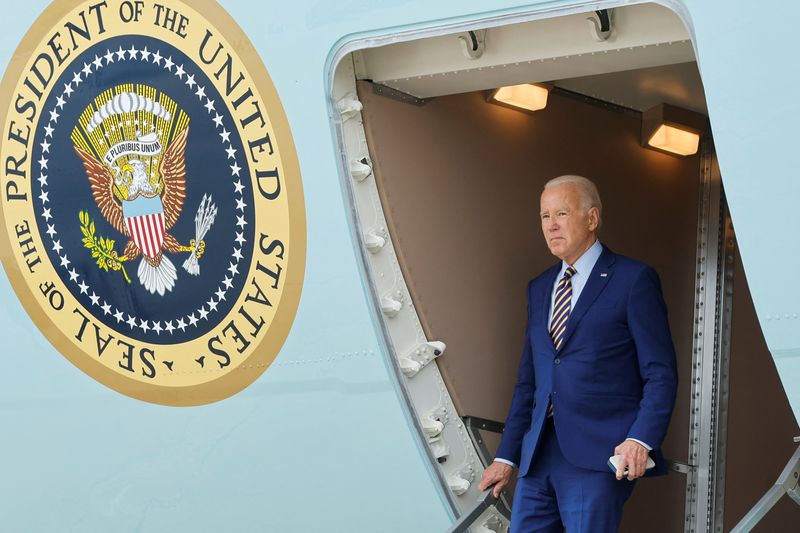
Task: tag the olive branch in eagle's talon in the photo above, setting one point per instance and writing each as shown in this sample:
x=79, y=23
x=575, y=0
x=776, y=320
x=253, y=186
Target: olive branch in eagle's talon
x=102, y=248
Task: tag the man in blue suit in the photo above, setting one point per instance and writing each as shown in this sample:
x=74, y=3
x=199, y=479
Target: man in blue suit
x=596, y=378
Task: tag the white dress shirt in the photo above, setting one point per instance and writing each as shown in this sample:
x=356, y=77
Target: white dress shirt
x=583, y=267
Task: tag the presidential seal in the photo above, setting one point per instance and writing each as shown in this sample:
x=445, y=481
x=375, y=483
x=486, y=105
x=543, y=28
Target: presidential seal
x=153, y=209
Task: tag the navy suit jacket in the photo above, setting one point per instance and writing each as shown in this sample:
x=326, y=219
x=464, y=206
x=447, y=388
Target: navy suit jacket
x=614, y=376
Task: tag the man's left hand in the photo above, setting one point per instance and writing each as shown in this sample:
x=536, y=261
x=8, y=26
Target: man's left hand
x=633, y=456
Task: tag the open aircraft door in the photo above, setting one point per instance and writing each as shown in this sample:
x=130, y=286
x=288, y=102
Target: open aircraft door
x=444, y=189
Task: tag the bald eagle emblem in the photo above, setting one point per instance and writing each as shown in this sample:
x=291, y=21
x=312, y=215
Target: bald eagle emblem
x=132, y=145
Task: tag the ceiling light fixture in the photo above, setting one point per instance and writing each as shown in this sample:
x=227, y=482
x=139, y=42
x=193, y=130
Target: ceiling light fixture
x=673, y=130
x=526, y=97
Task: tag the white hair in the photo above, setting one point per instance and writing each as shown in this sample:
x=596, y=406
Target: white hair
x=588, y=190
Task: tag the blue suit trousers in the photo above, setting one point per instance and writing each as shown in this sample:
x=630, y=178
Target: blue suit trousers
x=556, y=495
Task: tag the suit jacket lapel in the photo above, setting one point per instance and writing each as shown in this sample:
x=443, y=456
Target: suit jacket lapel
x=598, y=278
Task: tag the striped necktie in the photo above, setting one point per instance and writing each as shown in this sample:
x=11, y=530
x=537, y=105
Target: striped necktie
x=561, y=308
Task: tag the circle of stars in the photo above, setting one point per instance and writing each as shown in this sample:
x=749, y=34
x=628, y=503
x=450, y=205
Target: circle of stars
x=183, y=322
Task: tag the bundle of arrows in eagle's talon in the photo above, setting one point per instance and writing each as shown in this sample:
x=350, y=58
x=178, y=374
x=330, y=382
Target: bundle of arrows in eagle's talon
x=203, y=220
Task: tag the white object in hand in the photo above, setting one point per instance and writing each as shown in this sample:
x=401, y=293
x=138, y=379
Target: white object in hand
x=613, y=464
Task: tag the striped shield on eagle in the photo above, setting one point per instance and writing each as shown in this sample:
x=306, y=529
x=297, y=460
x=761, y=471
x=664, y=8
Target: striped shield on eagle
x=144, y=219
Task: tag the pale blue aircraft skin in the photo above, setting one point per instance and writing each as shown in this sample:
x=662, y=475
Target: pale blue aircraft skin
x=323, y=440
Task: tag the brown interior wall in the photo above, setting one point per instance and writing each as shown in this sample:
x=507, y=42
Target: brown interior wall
x=460, y=180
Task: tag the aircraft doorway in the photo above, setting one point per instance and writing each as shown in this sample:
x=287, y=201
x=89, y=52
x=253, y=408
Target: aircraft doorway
x=453, y=237
x=463, y=213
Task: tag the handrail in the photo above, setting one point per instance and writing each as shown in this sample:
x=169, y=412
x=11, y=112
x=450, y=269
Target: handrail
x=477, y=422
x=473, y=425
x=787, y=483
x=485, y=500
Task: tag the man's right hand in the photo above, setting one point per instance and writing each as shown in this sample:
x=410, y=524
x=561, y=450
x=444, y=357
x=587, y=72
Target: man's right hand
x=497, y=474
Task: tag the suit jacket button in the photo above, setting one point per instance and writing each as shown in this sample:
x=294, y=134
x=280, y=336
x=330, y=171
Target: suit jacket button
x=557, y=361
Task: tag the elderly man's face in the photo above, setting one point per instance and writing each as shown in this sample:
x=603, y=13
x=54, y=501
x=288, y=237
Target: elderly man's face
x=568, y=228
